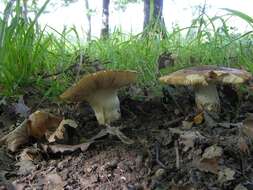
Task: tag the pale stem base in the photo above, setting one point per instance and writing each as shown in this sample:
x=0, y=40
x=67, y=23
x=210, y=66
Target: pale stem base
x=207, y=98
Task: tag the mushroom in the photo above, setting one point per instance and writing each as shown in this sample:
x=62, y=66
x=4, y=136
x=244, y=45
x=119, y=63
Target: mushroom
x=100, y=91
x=204, y=80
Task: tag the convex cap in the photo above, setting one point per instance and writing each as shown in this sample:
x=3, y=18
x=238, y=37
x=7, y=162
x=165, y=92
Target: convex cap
x=101, y=80
x=202, y=75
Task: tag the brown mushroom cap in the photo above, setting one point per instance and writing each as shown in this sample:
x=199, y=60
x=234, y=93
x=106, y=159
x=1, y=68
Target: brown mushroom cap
x=101, y=80
x=202, y=75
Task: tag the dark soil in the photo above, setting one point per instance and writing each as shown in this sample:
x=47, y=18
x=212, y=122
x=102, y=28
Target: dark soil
x=160, y=158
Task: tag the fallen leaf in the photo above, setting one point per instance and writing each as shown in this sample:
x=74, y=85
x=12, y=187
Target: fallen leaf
x=208, y=165
x=61, y=148
x=198, y=119
x=59, y=133
x=189, y=138
x=19, y=186
x=35, y=126
x=21, y=109
x=187, y=124
x=210, y=159
x=25, y=167
x=243, y=146
x=40, y=122
x=209, y=120
x=32, y=154
x=225, y=175
x=212, y=152
x=17, y=137
x=27, y=159
x=240, y=187
x=52, y=181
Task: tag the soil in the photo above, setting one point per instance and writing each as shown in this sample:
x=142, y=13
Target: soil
x=167, y=153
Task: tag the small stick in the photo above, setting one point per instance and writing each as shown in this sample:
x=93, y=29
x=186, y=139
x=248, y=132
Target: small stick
x=60, y=72
x=157, y=155
x=79, y=67
x=177, y=155
x=174, y=121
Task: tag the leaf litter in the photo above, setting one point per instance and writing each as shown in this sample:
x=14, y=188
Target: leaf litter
x=210, y=155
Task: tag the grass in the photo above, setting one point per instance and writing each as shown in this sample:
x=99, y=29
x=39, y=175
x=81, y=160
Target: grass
x=215, y=46
x=27, y=56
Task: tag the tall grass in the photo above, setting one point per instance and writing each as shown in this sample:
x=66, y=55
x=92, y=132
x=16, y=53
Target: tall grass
x=26, y=56
x=207, y=41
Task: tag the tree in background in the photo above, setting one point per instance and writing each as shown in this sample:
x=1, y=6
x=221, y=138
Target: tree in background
x=88, y=16
x=153, y=16
x=122, y=4
x=105, y=19
x=146, y=13
x=153, y=13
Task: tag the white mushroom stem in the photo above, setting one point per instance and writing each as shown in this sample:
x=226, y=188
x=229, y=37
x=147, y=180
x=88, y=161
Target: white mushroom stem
x=207, y=98
x=106, y=106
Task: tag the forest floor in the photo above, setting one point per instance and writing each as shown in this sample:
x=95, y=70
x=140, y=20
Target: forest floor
x=173, y=148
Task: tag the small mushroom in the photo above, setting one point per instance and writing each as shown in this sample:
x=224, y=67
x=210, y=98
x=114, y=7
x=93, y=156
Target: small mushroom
x=100, y=91
x=204, y=80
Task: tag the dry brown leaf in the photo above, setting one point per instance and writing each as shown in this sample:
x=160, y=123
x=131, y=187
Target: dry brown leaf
x=58, y=134
x=32, y=154
x=210, y=159
x=27, y=159
x=17, y=137
x=198, y=119
x=208, y=165
x=40, y=122
x=35, y=126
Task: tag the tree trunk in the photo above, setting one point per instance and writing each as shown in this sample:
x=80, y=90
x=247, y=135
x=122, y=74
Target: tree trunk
x=158, y=10
x=105, y=19
x=146, y=13
x=153, y=16
x=89, y=20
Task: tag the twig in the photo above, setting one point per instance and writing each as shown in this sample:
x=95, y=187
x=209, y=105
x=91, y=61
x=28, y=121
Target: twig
x=179, y=107
x=79, y=67
x=177, y=155
x=174, y=121
x=60, y=72
x=157, y=155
